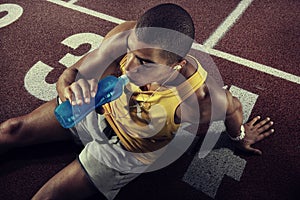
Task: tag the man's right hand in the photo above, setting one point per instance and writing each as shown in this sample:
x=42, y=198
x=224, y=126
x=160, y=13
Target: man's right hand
x=81, y=91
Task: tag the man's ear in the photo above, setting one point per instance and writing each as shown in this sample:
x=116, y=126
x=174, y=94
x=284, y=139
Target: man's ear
x=177, y=67
x=180, y=65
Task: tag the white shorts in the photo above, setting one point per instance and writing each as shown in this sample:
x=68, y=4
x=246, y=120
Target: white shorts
x=102, y=159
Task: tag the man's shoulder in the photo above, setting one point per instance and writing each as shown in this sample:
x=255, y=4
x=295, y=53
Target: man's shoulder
x=128, y=24
x=123, y=27
x=114, y=44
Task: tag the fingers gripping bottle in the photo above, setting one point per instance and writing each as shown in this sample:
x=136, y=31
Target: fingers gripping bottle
x=109, y=89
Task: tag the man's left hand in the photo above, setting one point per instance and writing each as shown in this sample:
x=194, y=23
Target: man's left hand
x=255, y=131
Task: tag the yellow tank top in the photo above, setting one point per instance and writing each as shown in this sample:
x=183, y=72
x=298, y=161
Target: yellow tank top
x=147, y=127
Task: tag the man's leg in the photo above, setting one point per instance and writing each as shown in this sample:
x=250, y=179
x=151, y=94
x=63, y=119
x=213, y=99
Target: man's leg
x=39, y=126
x=70, y=183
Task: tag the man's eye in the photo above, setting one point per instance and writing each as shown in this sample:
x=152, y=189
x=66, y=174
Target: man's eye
x=145, y=64
x=142, y=62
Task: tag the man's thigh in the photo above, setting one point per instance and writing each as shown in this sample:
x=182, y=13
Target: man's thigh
x=70, y=183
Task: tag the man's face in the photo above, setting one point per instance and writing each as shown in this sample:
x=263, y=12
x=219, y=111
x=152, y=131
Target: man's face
x=145, y=63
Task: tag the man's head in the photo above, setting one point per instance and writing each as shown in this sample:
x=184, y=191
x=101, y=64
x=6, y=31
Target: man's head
x=168, y=26
x=160, y=40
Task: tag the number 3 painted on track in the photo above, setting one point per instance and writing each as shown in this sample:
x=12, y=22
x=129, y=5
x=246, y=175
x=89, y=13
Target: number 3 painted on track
x=35, y=79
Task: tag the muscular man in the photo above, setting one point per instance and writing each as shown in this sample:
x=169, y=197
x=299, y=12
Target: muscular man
x=167, y=88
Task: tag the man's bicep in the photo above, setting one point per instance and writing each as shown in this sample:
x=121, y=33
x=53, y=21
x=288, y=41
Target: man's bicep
x=97, y=62
x=125, y=26
x=109, y=53
x=233, y=103
x=215, y=99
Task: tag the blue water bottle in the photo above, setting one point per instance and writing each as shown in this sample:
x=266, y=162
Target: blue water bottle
x=109, y=89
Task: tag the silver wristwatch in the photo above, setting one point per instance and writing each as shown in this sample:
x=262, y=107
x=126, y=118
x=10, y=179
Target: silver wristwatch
x=241, y=136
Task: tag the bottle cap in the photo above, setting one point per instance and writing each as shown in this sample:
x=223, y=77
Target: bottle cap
x=124, y=79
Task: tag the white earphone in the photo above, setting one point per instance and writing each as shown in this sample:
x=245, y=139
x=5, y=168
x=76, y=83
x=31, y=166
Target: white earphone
x=177, y=67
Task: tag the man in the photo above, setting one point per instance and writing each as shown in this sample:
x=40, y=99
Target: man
x=168, y=87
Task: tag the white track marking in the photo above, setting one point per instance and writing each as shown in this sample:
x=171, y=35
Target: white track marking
x=248, y=63
x=14, y=13
x=248, y=100
x=35, y=78
x=36, y=84
x=220, y=54
x=227, y=24
x=72, y=1
x=206, y=171
x=87, y=11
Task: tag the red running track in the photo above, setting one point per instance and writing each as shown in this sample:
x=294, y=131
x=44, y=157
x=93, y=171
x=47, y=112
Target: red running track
x=267, y=33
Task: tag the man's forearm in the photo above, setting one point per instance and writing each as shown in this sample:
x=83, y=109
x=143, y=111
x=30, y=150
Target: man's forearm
x=234, y=118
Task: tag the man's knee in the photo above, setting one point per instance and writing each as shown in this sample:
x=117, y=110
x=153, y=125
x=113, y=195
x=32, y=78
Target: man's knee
x=10, y=130
x=11, y=126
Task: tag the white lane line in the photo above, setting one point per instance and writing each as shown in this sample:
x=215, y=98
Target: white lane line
x=227, y=24
x=220, y=54
x=87, y=11
x=248, y=63
x=72, y=1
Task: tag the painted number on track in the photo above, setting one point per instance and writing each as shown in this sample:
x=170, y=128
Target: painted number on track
x=35, y=79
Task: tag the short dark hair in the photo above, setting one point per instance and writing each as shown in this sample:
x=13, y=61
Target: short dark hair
x=173, y=30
